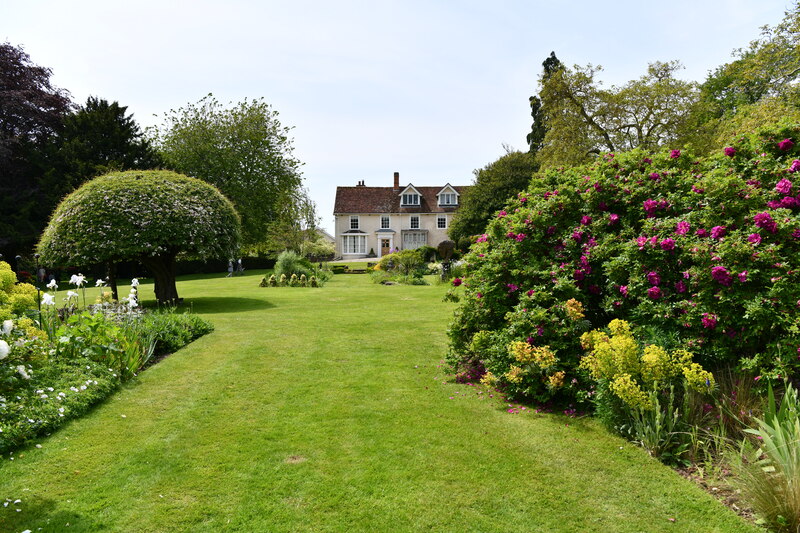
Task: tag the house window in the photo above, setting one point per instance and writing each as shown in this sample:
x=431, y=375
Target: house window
x=415, y=222
x=385, y=222
x=448, y=198
x=353, y=221
x=410, y=199
x=354, y=244
x=441, y=222
x=413, y=240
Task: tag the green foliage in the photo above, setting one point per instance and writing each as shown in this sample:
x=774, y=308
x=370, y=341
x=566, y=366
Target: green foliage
x=584, y=120
x=770, y=473
x=291, y=263
x=494, y=184
x=245, y=152
x=15, y=298
x=705, y=250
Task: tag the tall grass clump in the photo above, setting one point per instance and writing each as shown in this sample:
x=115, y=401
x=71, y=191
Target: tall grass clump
x=769, y=474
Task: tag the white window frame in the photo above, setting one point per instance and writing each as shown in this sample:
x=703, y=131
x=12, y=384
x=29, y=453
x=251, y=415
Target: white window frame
x=354, y=244
x=448, y=198
x=413, y=240
x=354, y=218
x=410, y=198
x=441, y=222
x=388, y=220
x=414, y=218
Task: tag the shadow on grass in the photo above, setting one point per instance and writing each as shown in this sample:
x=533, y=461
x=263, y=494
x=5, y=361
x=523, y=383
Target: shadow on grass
x=43, y=514
x=224, y=304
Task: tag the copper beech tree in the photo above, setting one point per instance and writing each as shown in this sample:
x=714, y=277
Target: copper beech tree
x=150, y=216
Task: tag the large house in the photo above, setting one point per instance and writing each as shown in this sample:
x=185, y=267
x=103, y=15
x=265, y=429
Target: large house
x=378, y=220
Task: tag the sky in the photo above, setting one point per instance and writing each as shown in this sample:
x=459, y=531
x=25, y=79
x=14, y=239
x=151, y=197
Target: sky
x=430, y=89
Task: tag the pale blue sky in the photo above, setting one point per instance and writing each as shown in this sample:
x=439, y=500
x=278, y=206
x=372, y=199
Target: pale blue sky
x=431, y=89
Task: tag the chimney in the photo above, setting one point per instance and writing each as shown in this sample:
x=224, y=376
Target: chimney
x=396, y=181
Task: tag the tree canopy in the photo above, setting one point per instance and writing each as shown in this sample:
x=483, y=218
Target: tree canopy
x=31, y=111
x=584, y=119
x=150, y=216
x=492, y=187
x=243, y=150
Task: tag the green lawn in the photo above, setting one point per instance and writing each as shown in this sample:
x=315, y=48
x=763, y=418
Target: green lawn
x=328, y=410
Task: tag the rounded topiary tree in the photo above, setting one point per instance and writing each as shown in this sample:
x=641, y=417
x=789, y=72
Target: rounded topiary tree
x=150, y=216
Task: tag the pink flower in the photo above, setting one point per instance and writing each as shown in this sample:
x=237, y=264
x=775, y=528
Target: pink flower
x=654, y=293
x=483, y=238
x=457, y=282
x=785, y=144
x=655, y=176
x=721, y=275
x=579, y=275
x=743, y=276
x=730, y=151
x=697, y=189
x=586, y=220
x=717, y=232
x=701, y=233
x=653, y=278
x=613, y=219
x=650, y=207
x=784, y=186
x=680, y=287
x=682, y=228
x=512, y=287
x=756, y=378
x=674, y=154
x=754, y=238
x=647, y=161
x=795, y=166
x=520, y=237
x=641, y=242
x=577, y=235
x=501, y=214
x=709, y=321
x=623, y=290
x=764, y=220
x=530, y=292
x=788, y=202
x=668, y=245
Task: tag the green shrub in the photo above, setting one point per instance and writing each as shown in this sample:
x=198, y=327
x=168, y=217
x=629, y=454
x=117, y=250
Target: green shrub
x=289, y=263
x=707, y=250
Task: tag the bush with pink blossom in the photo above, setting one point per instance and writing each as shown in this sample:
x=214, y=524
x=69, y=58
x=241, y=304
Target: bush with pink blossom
x=706, y=253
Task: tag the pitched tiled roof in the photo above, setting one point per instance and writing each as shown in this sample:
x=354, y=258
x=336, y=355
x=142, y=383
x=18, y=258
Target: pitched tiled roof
x=361, y=199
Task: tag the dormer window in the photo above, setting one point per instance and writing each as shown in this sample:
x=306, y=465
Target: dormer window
x=410, y=199
x=448, y=198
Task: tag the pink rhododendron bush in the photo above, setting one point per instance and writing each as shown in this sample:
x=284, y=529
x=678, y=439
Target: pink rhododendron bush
x=701, y=256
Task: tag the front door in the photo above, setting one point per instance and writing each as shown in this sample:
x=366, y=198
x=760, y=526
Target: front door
x=384, y=247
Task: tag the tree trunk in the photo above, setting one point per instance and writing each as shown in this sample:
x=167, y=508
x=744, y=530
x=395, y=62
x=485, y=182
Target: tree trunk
x=111, y=276
x=163, y=269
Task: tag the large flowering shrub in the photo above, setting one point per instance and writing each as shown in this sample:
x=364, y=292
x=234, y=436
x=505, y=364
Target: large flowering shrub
x=705, y=251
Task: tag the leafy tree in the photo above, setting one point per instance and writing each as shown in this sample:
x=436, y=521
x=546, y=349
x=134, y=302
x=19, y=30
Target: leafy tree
x=755, y=89
x=95, y=139
x=583, y=119
x=770, y=66
x=150, y=216
x=494, y=184
x=244, y=151
x=539, y=127
x=31, y=111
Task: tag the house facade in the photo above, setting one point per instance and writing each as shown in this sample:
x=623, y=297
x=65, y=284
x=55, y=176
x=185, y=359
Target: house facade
x=379, y=220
